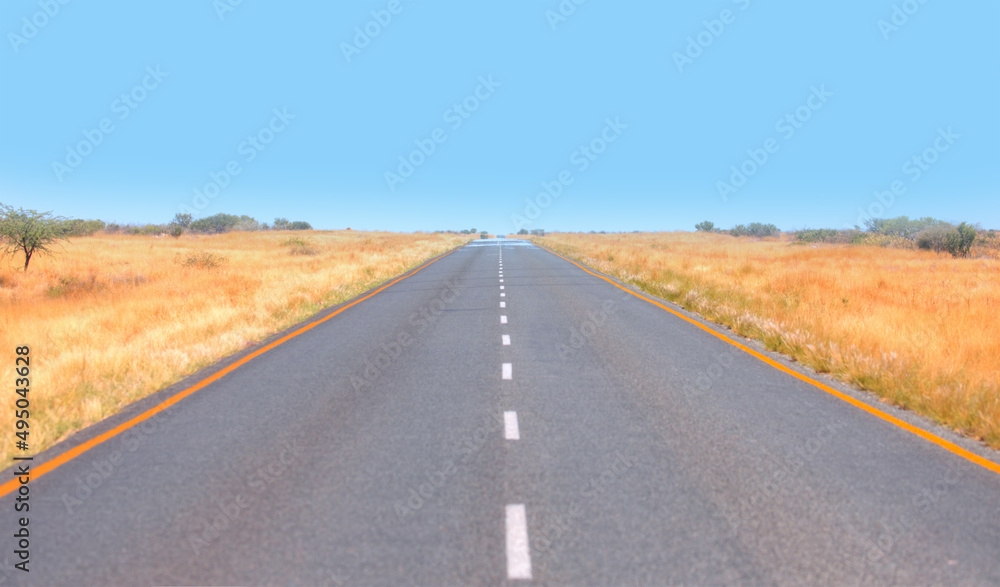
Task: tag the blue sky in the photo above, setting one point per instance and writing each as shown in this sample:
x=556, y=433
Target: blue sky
x=642, y=109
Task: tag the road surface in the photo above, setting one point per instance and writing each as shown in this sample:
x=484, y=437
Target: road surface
x=504, y=417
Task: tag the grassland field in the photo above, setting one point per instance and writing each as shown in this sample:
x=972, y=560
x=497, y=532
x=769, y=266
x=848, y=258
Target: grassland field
x=113, y=318
x=920, y=329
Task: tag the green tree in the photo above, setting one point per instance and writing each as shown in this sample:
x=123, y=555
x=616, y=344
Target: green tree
x=762, y=230
x=903, y=226
x=215, y=224
x=281, y=224
x=959, y=241
x=183, y=220
x=705, y=226
x=28, y=232
x=300, y=225
x=523, y=231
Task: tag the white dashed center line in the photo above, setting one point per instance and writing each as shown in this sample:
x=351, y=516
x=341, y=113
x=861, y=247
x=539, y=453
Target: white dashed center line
x=507, y=371
x=503, y=304
x=518, y=555
x=505, y=339
x=501, y=287
x=510, y=428
x=503, y=294
x=503, y=319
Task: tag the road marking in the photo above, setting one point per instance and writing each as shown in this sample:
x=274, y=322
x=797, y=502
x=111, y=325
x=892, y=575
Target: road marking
x=501, y=287
x=503, y=294
x=511, y=431
x=503, y=304
x=503, y=319
x=948, y=446
x=505, y=339
x=69, y=455
x=518, y=555
x=506, y=371
x=501, y=281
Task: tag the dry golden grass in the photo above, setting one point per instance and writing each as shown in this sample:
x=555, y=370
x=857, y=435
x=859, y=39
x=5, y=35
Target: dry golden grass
x=112, y=318
x=920, y=329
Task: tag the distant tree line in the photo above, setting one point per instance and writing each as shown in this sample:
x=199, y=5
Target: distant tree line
x=756, y=229
x=29, y=232
x=922, y=233
x=216, y=224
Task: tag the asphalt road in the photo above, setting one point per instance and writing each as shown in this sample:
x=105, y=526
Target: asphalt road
x=404, y=442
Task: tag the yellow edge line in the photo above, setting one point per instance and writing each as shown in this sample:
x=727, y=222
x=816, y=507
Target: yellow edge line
x=76, y=451
x=949, y=446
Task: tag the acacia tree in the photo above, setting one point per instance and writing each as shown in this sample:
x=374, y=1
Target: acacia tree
x=28, y=232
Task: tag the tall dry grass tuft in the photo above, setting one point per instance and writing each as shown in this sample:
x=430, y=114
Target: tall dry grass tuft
x=113, y=318
x=918, y=328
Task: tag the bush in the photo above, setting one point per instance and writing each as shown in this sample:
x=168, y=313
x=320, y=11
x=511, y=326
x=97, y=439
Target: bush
x=140, y=229
x=959, y=241
x=300, y=246
x=77, y=227
x=934, y=238
x=176, y=230
x=761, y=230
x=881, y=240
x=705, y=226
x=821, y=235
x=246, y=224
x=70, y=284
x=903, y=226
x=204, y=260
x=215, y=224
x=828, y=235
